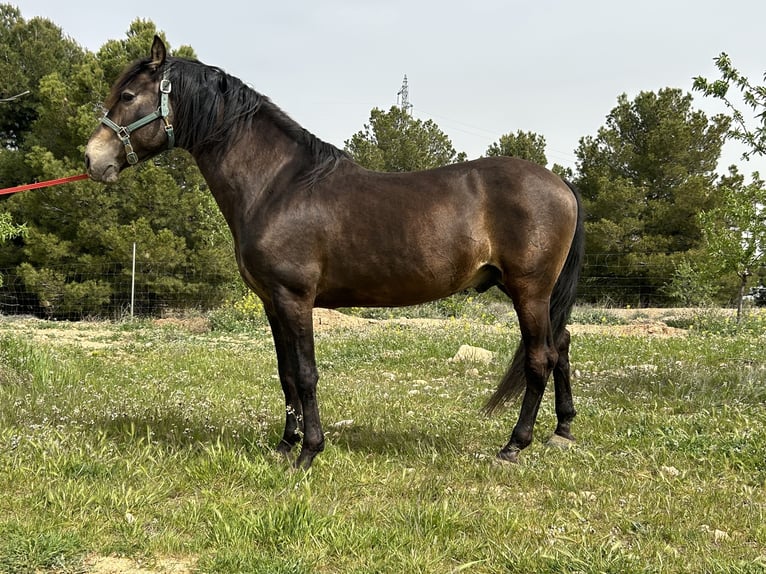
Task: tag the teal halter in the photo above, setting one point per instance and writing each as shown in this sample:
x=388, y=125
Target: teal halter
x=162, y=112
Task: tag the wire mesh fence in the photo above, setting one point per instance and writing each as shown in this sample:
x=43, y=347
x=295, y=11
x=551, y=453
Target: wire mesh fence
x=112, y=289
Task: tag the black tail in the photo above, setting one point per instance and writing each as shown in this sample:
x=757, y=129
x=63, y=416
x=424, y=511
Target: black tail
x=562, y=301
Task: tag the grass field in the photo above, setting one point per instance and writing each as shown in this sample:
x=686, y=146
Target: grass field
x=147, y=447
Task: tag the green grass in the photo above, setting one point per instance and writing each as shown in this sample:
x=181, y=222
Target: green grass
x=158, y=443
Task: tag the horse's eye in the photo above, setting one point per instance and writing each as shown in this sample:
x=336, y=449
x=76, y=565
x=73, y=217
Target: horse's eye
x=127, y=97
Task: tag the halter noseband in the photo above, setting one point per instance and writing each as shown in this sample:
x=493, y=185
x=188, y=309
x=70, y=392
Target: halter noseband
x=162, y=112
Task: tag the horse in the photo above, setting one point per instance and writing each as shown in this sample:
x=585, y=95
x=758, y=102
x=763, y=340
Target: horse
x=312, y=228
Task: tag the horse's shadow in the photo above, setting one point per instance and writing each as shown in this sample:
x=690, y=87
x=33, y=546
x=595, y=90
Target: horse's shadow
x=366, y=439
x=174, y=432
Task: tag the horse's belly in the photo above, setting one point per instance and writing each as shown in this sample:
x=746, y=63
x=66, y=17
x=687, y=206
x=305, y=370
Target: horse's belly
x=401, y=282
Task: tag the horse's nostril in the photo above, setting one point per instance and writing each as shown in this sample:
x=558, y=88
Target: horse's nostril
x=87, y=161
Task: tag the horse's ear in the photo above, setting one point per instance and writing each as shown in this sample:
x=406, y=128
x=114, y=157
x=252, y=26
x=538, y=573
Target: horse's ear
x=159, y=52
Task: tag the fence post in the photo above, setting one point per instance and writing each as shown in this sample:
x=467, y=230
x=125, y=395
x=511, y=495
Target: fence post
x=133, y=281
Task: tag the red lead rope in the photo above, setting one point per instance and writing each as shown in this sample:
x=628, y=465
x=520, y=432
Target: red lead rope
x=43, y=184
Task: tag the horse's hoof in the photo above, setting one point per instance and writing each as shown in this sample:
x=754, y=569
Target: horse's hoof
x=560, y=442
x=506, y=456
x=304, y=461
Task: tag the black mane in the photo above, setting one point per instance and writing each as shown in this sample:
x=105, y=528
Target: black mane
x=212, y=109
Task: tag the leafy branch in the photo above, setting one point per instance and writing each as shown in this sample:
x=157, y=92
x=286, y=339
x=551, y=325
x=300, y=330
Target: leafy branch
x=753, y=96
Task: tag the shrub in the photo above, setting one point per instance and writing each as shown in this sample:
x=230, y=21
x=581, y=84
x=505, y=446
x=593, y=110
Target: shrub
x=244, y=314
x=717, y=322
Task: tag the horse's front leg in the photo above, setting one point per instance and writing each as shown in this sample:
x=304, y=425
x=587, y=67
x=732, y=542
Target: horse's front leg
x=291, y=322
x=293, y=407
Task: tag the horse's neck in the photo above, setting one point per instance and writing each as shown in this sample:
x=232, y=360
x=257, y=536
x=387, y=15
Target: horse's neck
x=250, y=167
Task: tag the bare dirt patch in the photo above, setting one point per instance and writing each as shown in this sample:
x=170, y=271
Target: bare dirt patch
x=646, y=322
x=85, y=334
x=112, y=565
x=639, y=329
x=194, y=325
x=640, y=323
x=328, y=319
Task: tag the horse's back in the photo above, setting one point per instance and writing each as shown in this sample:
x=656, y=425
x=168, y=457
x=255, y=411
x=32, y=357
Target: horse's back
x=501, y=200
x=405, y=238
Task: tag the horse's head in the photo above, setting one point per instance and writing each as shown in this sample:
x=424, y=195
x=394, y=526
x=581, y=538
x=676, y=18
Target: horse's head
x=137, y=124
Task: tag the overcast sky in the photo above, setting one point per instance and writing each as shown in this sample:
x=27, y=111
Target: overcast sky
x=478, y=69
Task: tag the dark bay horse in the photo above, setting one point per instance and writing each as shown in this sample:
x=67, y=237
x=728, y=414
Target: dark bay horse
x=314, y=229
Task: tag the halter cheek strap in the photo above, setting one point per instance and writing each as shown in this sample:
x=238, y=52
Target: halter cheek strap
x=162, y=112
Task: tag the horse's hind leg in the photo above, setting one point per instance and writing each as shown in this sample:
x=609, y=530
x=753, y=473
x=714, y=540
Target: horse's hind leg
x=541, y=356
x=565, y=411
